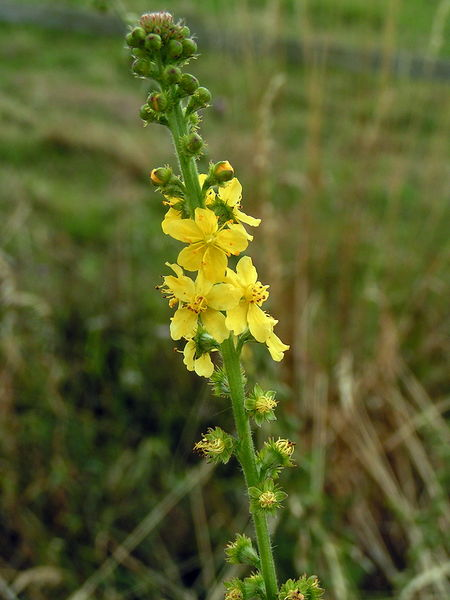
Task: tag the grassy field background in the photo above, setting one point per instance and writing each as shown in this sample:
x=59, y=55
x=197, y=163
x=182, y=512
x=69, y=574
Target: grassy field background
x=101, y=496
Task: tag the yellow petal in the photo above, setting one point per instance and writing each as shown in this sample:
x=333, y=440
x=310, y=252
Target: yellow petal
x=224, y=296
x=241, y=216
x=210, y=193
x=233, y=279
x=182, y=287
x=189, y=353
x=171, y=215
x=214, y=323
x=175, y=268
x=183, y=324
x=231, y=192
x=202, y=285
x=206, y=221
x=204, y=365
x=259, y=323
x=236, y=320
x=184, y=230
x=276, y=347
x=246, y=272
x=241, y=229
x=214, y=264
x=191, y=257
x=232, y=240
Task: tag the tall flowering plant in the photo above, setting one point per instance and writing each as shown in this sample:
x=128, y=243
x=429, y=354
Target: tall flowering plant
x=217, y=309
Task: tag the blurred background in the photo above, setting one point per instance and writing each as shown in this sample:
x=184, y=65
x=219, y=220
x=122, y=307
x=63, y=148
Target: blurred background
x=335, y=115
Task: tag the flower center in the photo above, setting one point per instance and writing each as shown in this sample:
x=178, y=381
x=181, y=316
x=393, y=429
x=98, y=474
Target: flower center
x=199, y=304
x=264, y=404
x=256, y=293
x=267, y=499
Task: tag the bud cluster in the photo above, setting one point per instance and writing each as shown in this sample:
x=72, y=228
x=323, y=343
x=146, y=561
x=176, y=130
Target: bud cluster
x=161, y=47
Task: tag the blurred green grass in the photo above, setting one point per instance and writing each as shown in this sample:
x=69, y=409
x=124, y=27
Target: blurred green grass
x=349, y=172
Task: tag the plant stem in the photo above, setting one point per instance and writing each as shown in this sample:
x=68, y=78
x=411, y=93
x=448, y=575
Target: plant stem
x=247, y=459
x=188, y=166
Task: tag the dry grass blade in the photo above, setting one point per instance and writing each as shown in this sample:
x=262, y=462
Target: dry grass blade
x=193, y=478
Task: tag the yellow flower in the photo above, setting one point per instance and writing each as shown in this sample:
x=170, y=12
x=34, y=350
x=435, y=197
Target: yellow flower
x=231, y=194
x=173, y=203
x=202, y=365
x=209, y=246
x=248, y=312
x=198, y=300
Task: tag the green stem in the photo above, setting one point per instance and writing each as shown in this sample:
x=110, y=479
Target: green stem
x=188, y=166
x=247, y=458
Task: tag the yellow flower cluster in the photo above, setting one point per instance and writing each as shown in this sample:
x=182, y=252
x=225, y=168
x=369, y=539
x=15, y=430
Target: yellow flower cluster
x=219, y=301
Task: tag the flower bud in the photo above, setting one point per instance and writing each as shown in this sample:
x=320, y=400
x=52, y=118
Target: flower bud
x=157, y=21
x=188, y=83
x=161, y=176
x=157, y=101
x=136, y=37
x=174, y=49
x=241, y=551
x=193, y=144
x=189, y=47
x=223, y=171
x=172, y=74
x=185, y=31
x=146, y=113
x=153, y=42
x=142, y=67
x=199, y=99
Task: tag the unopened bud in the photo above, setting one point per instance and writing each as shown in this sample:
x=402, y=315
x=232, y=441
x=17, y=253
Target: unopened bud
x=185, y=31
x=189, y=47
x=146, y=113
x=136, y=37
x=142, y=67
x=153, y=42
x=157, y=101
x=188, y=83
x=172, y=74
x=199, y=99
x=174, y=49
x=193, y=144
x=223, y=171
x=161, y=176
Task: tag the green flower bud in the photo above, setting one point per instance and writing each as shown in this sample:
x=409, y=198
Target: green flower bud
x=185, y=31
x=199, y=99
x=153, y=42
x=157, y=101
x=222, y=172
x=161, y=176
x=172, y=74
x=136, y=37
x=241, y=551
x=142, y=67
x=146, y=113
x=174, y=49
x=189, y=47
x=193, y=144
x=188, y=83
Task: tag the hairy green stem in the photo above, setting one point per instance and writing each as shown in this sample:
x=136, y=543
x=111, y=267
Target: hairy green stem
x=188, y=166
x=247, y=459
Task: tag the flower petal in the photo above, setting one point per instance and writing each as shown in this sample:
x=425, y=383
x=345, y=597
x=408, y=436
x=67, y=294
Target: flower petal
x=183, y=287
x=171, y=215
x=259, y=323
x=236, y=320
x=246, y=271
x=232, y=240
x=184, y=230
x=206, y=221
x=191, y=257
x=175, y=268
x=231, y=192
x=241, y=216
x=214, y=323
x=204, y=366
x=183, y=324
x=224, y=296
x=276, y=347
x=214, y=264
x=189, y=353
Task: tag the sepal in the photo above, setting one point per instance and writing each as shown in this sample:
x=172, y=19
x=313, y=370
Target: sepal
x=305, y=588
x=274, y=456
x=266, y=498
x=216, y=445
x=261, y=405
